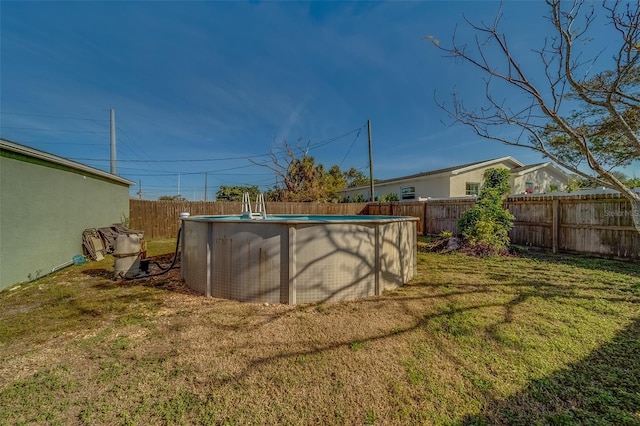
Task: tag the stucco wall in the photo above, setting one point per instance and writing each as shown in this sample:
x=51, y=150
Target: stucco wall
x=459, y=181
x=43, y=211
x=542, y=180
x=430, y=186
x=426, y=186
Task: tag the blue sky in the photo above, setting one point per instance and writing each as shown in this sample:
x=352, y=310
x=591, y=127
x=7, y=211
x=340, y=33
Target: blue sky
x=200, y=87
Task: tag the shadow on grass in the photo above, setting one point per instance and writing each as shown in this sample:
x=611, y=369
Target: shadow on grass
x=603, y=388
x=628, y=267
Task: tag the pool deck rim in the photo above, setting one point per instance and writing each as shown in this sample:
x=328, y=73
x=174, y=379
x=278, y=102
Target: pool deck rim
x=297, y=219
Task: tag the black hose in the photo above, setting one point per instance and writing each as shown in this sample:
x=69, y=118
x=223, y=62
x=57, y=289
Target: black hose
x=164, y=270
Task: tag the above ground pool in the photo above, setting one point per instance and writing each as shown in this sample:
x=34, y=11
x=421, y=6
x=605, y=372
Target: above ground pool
x=297, y=259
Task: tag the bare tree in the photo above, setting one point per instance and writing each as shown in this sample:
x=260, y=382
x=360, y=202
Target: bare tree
x=582, y=113
x=302, y=178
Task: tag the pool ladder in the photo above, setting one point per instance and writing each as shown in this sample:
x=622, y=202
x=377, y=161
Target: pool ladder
x=261, y=210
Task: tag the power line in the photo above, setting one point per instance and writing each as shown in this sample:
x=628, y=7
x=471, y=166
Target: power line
x=52, y=116
x=52, y=130
x=180, y=161
x=66, y=143
x=246, y=157
x=351, y=146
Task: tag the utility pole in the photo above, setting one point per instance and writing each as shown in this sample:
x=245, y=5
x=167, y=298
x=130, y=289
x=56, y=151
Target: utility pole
x=372, y=197
x=178, y=184
x=205, y=185
x=140, y=190
x=113, y=141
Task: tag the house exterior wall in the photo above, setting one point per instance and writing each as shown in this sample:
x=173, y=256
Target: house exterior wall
x=459, y=181
x=453, y=182
x=44, y=208
x=427, y=186
x=542, y=179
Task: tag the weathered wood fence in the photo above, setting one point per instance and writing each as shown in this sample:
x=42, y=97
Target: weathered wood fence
x=599, y=225
x=159, y=219
x=595, y=224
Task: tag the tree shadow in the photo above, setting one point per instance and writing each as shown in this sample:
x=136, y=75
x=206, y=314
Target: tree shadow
x=628, y=267
x=603, y=388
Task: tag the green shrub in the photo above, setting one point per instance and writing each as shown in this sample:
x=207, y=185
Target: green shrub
x=487, y=224
x=445, y=234
x=390, y=197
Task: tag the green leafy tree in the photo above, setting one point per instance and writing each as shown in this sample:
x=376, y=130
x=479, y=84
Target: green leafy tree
x=390, y=197
x=274, y=194
x=305, y=180
x=633, y=183
x=336, y=181
x=234, y=193
x=577, y=183
x=355, y=178
x=302, y=178
x=487, y=224
x=358, y=198
x=584, y=113
x=171, y=198
x=629, y=182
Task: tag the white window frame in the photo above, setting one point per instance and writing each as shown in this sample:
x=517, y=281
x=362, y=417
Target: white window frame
x=468, y=190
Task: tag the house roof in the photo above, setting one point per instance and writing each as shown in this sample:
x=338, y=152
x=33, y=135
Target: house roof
x=525, y=169
x=7, y=145
x=451, y=170
x=519, y=171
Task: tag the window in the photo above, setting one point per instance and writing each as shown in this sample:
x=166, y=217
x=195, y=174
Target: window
x=472, y=188
x=408, y=193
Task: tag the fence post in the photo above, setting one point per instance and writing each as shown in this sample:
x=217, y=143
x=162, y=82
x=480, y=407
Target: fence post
x=555, y=225
x=424, y=218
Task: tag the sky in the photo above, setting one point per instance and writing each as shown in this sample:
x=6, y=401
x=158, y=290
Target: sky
x=203, y=92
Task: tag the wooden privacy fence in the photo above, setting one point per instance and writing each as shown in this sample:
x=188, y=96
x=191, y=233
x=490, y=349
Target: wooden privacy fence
x=599, y=225
x=593, y=224
x=435, y=215
x=159, y=219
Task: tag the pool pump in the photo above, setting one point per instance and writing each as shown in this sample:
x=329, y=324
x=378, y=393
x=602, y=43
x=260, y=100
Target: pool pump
x=131, y=262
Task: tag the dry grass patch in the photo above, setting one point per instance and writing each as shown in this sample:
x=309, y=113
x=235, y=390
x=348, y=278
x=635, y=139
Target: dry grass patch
x=515, y=340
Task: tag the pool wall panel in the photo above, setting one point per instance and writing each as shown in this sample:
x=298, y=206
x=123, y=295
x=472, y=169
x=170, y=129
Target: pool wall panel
x=194, y=257
x=245, y=262
x=334, y=262
x=397, y=254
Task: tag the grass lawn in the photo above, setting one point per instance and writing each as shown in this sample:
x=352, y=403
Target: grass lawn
x=533, y=339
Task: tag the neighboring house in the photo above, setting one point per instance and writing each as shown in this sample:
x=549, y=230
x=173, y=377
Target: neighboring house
x=537, y=179
x=46, y=202
x=466, y=180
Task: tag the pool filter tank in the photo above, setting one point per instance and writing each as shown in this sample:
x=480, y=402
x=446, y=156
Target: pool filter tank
x=128, y=252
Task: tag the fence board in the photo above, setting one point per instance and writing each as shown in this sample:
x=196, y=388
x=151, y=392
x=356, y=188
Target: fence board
x=533, y=225
x=443, y=215
x=414, y=209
